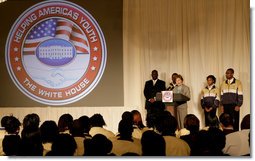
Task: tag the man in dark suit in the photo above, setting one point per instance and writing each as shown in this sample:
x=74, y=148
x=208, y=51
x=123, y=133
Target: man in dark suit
x=151, y=88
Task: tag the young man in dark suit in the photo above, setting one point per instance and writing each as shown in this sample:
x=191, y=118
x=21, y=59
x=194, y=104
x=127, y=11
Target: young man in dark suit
x=152, y=87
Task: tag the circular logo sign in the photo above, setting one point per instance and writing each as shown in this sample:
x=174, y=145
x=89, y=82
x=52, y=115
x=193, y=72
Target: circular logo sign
x=56, y=53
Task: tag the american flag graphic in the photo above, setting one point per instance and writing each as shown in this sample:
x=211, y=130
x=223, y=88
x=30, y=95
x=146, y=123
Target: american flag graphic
x=55, y=28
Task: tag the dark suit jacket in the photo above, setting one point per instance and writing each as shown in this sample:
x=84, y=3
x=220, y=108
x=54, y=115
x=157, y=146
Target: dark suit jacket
x=150, y=90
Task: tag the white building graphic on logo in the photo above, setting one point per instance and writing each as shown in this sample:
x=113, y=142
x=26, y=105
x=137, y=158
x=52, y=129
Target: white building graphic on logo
x=56, y=52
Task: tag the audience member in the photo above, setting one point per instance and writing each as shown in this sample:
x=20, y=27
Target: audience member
x=210, y=142
x=49, y=132
x=64, y=145
x=31, y=142
x=97, y=122
x=153, y=144
x=11, y=141
x=12, y=126
x=213, y=122
x=226, y=123
x=65, y=123
x=138, y=125
x=3, y=121
x=162, y=140
x=127, y=116
x=167, y=126
x=84, y=121
x=125, y=143
x=191, y=123
x=137, y=119
x=156, y=109
x=77, y=133
x=2, y=133
x=99, y=145
x=237, y=143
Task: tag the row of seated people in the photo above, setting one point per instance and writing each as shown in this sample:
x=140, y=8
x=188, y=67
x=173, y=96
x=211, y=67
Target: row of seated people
x=88, y=137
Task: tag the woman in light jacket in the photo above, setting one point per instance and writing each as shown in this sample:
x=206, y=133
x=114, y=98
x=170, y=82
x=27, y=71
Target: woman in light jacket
x=181, y=106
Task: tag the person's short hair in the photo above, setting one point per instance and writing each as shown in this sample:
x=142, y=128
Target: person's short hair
x=125, y=128
x=191, y=123
x=153, y=144
x=174, y=74
x=97, y=120
x=49, y=131
x=226, y=120
x=77, y=130
x=212, y=77
x=231, y=69
x=65, y=122
x=139, y=122
x=12, y=125
x=245, y=124
x=127, y=116
x=154, y=71
x=84, y=121
x=213, y=121
x=99, y=145
x=31, y=122
x=64, y=145
x=166, y=124
x=3, y=121
x=179, y=76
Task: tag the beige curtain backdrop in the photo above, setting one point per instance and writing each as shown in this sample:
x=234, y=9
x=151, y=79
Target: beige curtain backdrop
x=192, y=37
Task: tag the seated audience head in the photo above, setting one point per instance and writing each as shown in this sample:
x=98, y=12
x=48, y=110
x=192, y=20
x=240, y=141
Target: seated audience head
x=84, y=121
x=210, y=143
x=245, y=124
x=153, y=144
x=77, y=130
x=127, y=116
x=213, y=121
x=99, y=145
x=12, y=125
x=157, y=108
x=97, y=120
x=226, y=120
x=65, y=122
x=137, y=119
x=125, y=129
x=191, y=123
x=3, y=121
x=49, y=131
x=11, y=145
x=31, y=122
x=166, y=124
x=64, y=145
